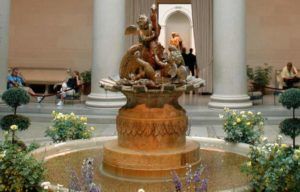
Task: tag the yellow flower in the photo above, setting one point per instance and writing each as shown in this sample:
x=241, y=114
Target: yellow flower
x=250, y=113
x=72, y=114
x=297, y=151
x=284, y=145
x=238, y=120
x=249, y=164
x=53, y=113
x=14, y=127
x=2, y=155
x=83, y=119
x=92, y=128
x=248, y=123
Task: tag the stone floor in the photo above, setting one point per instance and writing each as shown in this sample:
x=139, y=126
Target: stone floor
x=203, y=122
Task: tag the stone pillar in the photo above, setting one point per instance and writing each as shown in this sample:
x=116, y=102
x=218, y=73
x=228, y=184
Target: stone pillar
x=108, y=49
x=229, y=50
x=4, y=25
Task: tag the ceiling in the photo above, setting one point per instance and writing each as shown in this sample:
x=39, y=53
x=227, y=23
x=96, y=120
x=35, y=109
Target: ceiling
x=174, y=1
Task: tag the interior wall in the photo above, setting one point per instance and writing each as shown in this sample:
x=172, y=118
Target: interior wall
x=51, y=34
x=58, y=33
x=178, y=22
x=273, y=30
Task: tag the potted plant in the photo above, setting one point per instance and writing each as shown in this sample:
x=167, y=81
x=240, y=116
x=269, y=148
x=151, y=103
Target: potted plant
x=291, y=126
x=260, y=76
x=86, y=78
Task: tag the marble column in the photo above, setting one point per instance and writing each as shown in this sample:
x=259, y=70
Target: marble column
x=108, y=49
x=229, y=50
x=4, y=26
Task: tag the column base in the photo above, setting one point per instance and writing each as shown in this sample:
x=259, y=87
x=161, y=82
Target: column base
x=232, y=101
x=105, y=100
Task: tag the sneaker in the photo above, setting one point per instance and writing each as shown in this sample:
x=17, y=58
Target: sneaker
x=60, y=103
x=38, y=99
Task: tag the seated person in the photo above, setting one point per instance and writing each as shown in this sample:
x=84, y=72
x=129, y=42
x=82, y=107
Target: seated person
x=69, y=87
x=16, y=80
x=289, y=75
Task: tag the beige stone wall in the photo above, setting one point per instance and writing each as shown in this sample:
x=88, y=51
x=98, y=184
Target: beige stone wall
x=51, y=34
x=273, y=32
x=58, y=33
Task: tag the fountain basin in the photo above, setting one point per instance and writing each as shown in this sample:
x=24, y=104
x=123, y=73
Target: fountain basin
x=222, y=161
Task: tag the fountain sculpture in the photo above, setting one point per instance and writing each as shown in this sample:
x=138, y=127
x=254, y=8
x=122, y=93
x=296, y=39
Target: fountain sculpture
x=152, y=125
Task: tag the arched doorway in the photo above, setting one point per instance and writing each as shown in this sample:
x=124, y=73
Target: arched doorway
x=176, y=18
x=179, y=23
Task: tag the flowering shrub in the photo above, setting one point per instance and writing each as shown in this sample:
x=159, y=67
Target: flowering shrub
x=18, y=170
x=273, y=167
x=68, y=127
x=244, y=126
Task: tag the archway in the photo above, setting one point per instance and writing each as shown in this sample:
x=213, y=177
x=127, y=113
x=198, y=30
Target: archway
x=176, y=18
x=178, y=22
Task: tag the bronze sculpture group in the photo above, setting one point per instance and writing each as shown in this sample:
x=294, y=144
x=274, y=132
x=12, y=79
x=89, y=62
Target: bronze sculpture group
x=146, y=62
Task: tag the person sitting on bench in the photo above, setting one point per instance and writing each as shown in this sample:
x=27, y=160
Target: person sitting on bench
x=69, y=87
x=15, y=79
x=289, y=75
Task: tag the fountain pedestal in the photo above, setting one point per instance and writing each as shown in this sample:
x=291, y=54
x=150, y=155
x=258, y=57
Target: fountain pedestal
x=151, y=138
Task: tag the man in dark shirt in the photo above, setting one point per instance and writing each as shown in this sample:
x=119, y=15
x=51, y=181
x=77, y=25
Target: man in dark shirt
x=184, y=55
x=191, y=62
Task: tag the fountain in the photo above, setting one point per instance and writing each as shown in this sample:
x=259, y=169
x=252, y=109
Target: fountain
x=151, y=126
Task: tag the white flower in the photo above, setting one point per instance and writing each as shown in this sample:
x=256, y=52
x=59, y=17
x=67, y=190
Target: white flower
x=45, y=184
x=14, y=127
x=242, y=112
x=2, y=155
x=250, y=113
x=58, y=186
x=264, y=139
x=141, y=190
x=221, y=116
x=258, y=113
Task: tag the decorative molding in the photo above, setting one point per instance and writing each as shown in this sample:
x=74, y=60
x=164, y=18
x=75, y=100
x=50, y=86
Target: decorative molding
x=154, y=127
